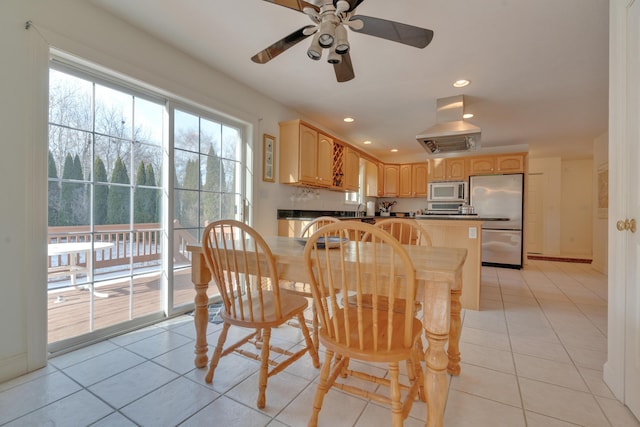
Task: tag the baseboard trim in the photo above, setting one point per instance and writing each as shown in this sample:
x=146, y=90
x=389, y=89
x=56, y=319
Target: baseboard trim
x=559, y=259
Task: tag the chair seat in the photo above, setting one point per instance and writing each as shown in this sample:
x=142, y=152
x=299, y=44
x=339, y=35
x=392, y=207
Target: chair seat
x=396, y=352
x=290, y=305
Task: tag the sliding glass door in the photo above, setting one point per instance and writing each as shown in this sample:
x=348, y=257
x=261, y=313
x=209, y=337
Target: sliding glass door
x=126, y=197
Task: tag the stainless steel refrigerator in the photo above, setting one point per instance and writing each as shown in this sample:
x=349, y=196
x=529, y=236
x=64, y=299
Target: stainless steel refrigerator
x=499, y=196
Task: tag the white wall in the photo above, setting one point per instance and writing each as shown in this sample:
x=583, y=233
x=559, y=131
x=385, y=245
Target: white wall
x=576, y=207
x=600, y=233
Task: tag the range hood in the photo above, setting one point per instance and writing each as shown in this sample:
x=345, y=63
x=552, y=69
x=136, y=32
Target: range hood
x=451, y=133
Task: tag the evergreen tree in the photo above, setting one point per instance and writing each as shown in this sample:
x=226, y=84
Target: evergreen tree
x=119, y=195
x=54, y=193
x=140, y=195
x=81, y=196
x=189, y=209
x=67, y=191
x=100, y=193
x=211, y=198
x=154, y=195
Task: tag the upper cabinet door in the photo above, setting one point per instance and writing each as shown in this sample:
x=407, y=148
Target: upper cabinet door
x=456, y=169
x=419, y=179
x=380, y=191
x=405, y=189
x=391, y=180
x=481, y=165
x=324, y=160
x=352, y=170
x=437, y=170
x=308, y=155
x=512, y=163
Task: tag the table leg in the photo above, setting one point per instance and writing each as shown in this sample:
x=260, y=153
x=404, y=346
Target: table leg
x=200, y=276
x=73, y=265
x=436, y=321
x=435, y=380
x=92, y=286
x=453, y=350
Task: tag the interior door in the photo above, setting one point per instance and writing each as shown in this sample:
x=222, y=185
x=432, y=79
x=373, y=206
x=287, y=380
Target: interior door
x=632, y=190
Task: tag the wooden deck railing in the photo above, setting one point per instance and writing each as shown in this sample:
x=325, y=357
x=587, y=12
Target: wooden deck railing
x=144, y=244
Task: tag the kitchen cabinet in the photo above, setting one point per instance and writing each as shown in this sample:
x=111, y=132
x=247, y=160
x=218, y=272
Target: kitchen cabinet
x=405, y=187
x=510, y=163
x=306, y=155
x=380, y=179
x=482, y=165
x=452, y=169
x=413, y=180
x=420, y=179
x=352, y=170
x=391, y=180
x=370, y=179
x=498, y=164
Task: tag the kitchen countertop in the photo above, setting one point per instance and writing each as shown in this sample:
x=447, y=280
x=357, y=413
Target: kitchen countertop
x=289, y=214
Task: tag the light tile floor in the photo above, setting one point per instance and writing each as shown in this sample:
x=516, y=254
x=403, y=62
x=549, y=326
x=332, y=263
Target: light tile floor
x=532, y=356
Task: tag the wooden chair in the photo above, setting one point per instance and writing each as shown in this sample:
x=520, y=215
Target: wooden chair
x=362, y=331
x=304, y=289
x=245, y=273
x=407, y=232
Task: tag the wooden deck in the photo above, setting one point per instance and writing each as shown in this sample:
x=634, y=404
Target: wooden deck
x=69, y=308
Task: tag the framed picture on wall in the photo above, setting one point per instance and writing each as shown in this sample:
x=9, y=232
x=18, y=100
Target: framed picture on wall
x=268, y=158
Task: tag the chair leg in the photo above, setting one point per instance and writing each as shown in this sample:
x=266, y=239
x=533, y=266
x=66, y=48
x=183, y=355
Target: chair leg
x=217, y=353
x=417, y=357
x=323, y=388
x=397, y=418
x=316, y=339
x=264, y=368
x=313, y=352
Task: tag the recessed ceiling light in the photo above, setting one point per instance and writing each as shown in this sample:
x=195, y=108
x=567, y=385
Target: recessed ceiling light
x=467, y=115
x=367, y=142
x=461, y=83
x=349, y=119
x=394, y=150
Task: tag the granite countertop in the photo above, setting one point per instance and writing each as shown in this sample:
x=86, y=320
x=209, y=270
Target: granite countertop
x=290, y=214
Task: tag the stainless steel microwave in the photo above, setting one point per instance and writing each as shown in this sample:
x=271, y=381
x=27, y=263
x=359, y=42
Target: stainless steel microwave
x=448, y=191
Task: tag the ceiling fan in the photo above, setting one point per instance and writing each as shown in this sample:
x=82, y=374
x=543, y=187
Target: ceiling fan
x=330, y=19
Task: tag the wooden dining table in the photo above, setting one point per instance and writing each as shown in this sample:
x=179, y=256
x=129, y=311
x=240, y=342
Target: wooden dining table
x=439, y=272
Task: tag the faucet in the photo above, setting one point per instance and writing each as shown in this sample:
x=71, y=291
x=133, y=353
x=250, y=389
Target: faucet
x=358, y=209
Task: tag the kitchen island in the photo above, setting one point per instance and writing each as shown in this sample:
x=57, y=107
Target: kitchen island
x=451, y=231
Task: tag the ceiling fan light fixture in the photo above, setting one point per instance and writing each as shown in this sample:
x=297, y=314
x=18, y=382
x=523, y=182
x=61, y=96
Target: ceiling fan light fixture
x=327, y=33
x=334, y=57
x=342, y=6
x=315, y=50
x=342, y=42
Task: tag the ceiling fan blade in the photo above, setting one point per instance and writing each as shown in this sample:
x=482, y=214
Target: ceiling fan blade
x=344, y=70
x=394, y=31
x=298, y=5
x=281, y=45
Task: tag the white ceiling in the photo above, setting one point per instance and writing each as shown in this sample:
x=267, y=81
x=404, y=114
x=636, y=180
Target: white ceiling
x=538, y=68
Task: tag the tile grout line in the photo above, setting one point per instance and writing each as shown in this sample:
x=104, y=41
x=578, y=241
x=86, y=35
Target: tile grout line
x=513, y=360
x=573, y=362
